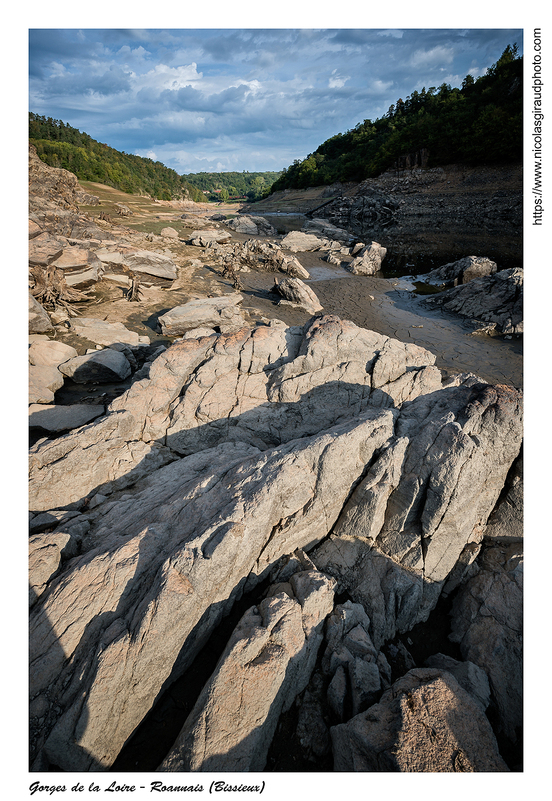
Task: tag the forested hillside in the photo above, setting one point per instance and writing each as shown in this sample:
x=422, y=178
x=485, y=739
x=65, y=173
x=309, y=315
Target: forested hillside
x=479, y=123
x=60, y=145
x=250, y=185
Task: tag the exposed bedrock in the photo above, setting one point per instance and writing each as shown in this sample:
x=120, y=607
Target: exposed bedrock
x=235, y=451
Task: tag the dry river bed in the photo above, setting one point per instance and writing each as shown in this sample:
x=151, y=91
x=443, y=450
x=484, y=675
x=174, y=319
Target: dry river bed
x=391, y=307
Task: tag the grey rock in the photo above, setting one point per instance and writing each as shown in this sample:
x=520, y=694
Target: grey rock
x=368, y=261
x=298, y=293
x=496, y=300
x=298, y=241
x=62, y=418
x=506, y=521
x=461, y=271
x=217, y=312
x=50, y=353
x=161, y=550
x=253, y=226
x=44, y=381
x=103, y=366
x=487, y=622
x=138, y=261
x=266, y=664
x=204, y=238
x=428, y=495
x=102, y=332
x=425, y=723
x=169, y=233
x=39, y=319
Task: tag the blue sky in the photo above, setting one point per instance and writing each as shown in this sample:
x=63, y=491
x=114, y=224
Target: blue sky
x=241, y=99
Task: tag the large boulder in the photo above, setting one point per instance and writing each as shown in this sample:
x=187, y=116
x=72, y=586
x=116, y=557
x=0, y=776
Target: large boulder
x=496, y=300
x=368, y=261
x=425, y=723
x=50, y=352
x=139, y=261
x=299, y=241
x=296, y=292
x=253, y=226
x=81, y=267
x=102, y=332
x=221, y=312
x=205, y=237
x=461, y=271
x=102, y=366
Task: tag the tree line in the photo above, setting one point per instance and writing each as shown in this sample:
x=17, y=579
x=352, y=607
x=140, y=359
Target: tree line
x=61, y=145
x=479, y=123
x=234, y=185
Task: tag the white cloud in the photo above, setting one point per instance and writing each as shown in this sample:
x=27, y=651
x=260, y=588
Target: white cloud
x=338, y=81
x=162, y=77
x=435, y=57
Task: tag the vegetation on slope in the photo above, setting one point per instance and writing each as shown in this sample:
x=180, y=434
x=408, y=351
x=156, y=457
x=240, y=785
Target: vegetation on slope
x=60, y=145
x=479, y=123
x=233, y=185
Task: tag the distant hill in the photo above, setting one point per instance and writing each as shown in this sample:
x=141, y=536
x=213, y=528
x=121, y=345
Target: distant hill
x=233, y=185
x=60, y=145
x=480, y=123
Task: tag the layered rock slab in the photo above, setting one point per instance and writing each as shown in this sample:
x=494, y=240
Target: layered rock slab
x=165, y=566
x=423, y=502
x=264, y=386
x=266, y=664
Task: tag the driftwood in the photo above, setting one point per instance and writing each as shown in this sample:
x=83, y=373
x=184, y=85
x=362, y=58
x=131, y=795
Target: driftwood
x=133, y=293
x=51, y=289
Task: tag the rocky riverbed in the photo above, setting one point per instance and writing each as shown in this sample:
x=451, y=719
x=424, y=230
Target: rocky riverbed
x=275, y=496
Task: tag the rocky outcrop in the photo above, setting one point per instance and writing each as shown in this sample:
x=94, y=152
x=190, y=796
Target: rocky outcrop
x=401, y=492
x=257, y=254
x=368, y=261
x=409, y=521
x=222, y=312
x=487, y=622
x=266, y=664
x=138, y=261
x=495, y=300
x=232, y=513
x=425, y=723
x=264, y=386
x=57, y=186
x=297, y=293
x=461, y=271
x=252, y=226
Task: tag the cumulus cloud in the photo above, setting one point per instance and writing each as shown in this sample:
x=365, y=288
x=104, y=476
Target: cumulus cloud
x=244, y=99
